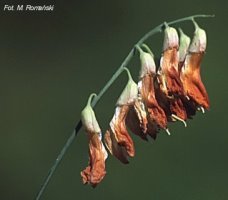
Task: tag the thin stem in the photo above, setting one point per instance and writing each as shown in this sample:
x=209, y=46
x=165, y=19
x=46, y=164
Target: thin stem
x=180, y=31
x=90, y=99
x=195, y=24
x=128, y=73
x=102, y=91
x=139, y=49
x=147, y=49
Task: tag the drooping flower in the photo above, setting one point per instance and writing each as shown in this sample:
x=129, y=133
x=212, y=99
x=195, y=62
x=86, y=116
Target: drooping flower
x=95, y=171
x=194, y=89
x=169, y=88
x=183, y=48
x=148, y=117
x=117, y=138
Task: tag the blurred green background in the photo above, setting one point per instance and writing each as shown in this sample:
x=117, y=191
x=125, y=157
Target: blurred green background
x=51, y=62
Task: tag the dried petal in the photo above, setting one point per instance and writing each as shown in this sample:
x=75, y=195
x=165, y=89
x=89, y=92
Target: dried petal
x=136, y=120
x=117, y=139
x=114, y=148
x=156, y=113
x=95, y=172
x=191, y=78
x=119, y=129
x=169, y=69
x=177, y=108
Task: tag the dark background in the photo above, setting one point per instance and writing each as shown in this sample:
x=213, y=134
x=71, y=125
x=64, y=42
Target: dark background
x=49, y=64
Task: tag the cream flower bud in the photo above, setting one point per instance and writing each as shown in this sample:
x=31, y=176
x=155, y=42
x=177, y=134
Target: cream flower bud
x=199, y=41
x=171, y=39
x=129, y=93
x=89, y=120
x=184, y=45
x=147, y=64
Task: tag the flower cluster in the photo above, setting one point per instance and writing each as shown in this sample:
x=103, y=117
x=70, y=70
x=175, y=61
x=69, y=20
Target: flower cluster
x=172, y=92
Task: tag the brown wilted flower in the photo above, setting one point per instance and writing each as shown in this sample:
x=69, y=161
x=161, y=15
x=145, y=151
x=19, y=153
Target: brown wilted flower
x=169, y=88
x=95, y=172
x=117, y=138
x=194, y=90
x=146, y=111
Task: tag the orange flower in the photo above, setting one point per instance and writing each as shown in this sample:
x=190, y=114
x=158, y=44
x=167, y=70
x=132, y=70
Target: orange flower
x=95, y=172
x=169, y=88
x=117, y=138
x=148, y=117
x=195, y=92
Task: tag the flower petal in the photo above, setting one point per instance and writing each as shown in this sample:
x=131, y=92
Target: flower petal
x=95, y=172
x=119, y=129
x=114, y=148
x=137, y=120
x=156, y=113
x=193, y=86
x=177, y=108
x=169, y=66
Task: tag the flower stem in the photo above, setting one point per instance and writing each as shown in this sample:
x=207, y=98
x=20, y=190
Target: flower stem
x=96, y=99
x=90, y=99
x=128, y=74
x=148, y=49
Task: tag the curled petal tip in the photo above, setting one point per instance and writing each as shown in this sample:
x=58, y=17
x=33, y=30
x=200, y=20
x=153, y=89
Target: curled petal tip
x=179, y=119
x=201, y=109
x=167, y=131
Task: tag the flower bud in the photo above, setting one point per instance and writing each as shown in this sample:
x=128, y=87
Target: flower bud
x=147, y=64
x=199, y=41
x=171, y=39
x=129, y=93
x=89, y=120
x=184, y=45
